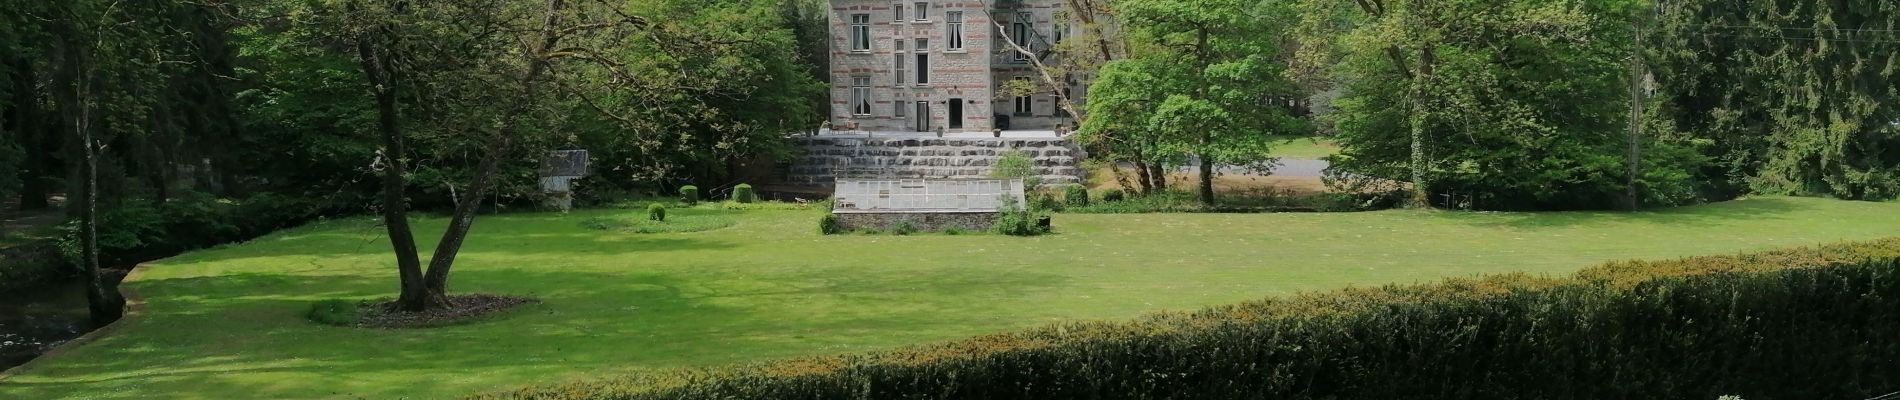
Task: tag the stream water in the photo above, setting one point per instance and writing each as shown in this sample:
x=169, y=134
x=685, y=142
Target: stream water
x=35, y=320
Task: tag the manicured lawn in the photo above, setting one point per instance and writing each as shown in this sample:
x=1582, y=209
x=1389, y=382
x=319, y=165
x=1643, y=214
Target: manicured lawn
x=227, y=323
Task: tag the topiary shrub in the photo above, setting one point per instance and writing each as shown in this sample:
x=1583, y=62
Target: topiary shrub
x=1114, y=195
x=689, y=194
x=744, y=194
x=656, y=212
x=1075, y=196
x=829, y=225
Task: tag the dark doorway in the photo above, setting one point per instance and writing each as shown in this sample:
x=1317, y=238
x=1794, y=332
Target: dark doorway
x=956, y=113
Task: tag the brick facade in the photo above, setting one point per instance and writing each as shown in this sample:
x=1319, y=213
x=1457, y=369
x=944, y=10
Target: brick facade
x=970, y=75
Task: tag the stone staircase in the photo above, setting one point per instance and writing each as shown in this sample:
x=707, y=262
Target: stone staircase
x=824, y=159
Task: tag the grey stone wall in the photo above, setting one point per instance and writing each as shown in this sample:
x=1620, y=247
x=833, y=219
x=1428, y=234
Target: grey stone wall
x=928, y=222
x=1057, y=159
x=954, y=74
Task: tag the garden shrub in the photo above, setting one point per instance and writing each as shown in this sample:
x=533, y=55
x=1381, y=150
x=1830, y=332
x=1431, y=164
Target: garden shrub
x=1046, y=202
x=139, y=230
x=902, y=228
x=656, y=212
x=1075, y=196
x=1020, y=223
x=336, y=312
x=1114, y=195
x=829, y=225
x=744, y=194
x=689, y=194
x=1808, y=323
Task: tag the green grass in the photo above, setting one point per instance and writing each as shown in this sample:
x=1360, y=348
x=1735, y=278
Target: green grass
x=231, y=322
x=1300, y=147
x=678, y=220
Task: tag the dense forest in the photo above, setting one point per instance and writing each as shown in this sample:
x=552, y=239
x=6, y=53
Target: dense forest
x=147, y=115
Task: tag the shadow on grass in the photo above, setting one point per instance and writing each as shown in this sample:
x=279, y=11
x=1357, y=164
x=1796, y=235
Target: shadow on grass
x=1706, y=215
x=246, y=333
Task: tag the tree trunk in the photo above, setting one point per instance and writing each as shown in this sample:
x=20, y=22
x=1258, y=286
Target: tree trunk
x=497, y=148
x=32, y=136
x=1421, y=184
x=1633, y=156
x=74, y=88
x=1160, y=174
x=1207, y=180
x=415, y=295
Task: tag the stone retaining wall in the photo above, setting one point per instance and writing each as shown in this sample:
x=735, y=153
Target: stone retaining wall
x=821, y=159
x=923, y=221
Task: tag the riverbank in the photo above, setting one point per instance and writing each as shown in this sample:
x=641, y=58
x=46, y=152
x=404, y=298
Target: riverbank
x=32, y=264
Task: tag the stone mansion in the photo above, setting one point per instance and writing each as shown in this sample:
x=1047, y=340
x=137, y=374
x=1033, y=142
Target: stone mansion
x=941, y=65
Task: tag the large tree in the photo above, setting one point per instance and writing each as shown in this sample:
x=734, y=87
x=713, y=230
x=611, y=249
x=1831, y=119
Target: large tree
x=1791, y=97
x=1207, y=82
x=1491, y=103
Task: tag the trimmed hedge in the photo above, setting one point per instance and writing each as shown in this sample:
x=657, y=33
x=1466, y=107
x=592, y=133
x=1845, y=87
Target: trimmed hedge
x=1798, y=324
x=744, y=194
x=656, y=212
x=689, y=194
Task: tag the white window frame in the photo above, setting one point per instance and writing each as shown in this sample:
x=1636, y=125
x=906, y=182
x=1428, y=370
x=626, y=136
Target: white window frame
x=953, y=30
x=922, y=11
x=897, y=13
x=898, y=58
x=860, y=33
x=923, y=62
x=861, y=96
x=1021, y=29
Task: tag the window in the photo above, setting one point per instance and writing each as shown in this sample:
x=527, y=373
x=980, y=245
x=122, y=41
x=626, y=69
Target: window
x=860, y=95
x=1019, y=32
x=1025, y=104
x=897, y=12
x=922, y=10
x=1059, y=32
x=898, y=70
x=923, y=61
x=861, y=32
x=897, y=109
x=953, y=30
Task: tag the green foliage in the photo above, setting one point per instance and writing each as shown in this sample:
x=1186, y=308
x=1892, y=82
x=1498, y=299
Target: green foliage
x=1016, y=164
x=1021, y=223
x=1175, y=201
x=1785, y=97
x=903, y=228
x=336, y=312
x=1114, y=195
x=744, y=194
x=656, y=212
x=1045, y=202
x=1075, y=196
x=1196, y=86
x=1741, y=324
x=689, y=194
x=829, y=225
x=137, y=231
